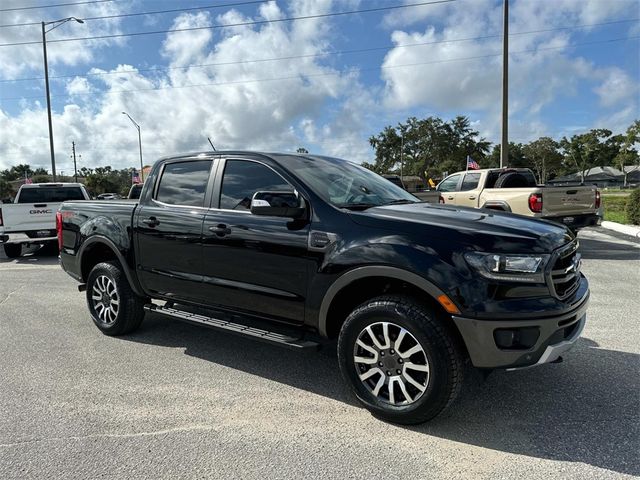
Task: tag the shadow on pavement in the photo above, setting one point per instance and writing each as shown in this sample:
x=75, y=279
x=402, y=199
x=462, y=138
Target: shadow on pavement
x=34, y=255
x=582, y=410
x=592, y=249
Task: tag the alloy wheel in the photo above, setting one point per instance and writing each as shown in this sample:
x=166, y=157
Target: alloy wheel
x=105, y=298
x=391, y=363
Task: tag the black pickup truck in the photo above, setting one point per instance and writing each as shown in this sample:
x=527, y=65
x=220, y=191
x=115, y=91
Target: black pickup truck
x=288, y=248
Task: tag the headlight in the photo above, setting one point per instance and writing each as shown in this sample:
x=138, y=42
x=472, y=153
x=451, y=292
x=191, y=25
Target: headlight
x=510, y=268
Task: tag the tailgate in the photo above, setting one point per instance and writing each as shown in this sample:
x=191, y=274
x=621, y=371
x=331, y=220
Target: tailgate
x=22, y=217
x=564, y=201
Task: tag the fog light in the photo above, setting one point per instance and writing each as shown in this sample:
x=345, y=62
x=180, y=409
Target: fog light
x=516, y=338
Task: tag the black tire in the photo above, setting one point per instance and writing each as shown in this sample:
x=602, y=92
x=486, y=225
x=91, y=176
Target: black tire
x=129, y=313
x=13, y=250
x=443, y=359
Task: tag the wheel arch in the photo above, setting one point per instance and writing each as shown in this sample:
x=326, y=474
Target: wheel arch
x=358, y=275
x=97, y=249
x=500, y=205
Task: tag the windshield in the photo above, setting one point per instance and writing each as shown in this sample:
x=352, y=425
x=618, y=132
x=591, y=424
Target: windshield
x=345, y=184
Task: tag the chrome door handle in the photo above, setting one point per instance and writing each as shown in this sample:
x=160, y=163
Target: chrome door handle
x=151, y=221
x=220, y=230
x=449, y=198
x=472, y=197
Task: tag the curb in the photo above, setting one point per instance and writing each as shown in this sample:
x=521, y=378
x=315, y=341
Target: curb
x=631, y=230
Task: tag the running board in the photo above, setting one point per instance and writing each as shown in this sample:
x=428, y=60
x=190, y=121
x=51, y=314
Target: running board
x=236, y=328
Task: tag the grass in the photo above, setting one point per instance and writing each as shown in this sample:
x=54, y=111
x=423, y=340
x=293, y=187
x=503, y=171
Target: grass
x=614, y=208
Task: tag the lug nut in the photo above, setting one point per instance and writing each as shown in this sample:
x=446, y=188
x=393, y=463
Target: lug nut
x=392, y=352
x=382, y=354
x=388, y=373
x=400, y=360
x=398, y=372
x=380, y=364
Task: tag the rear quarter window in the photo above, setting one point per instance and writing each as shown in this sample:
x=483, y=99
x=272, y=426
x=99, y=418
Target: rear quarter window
x=50, y=194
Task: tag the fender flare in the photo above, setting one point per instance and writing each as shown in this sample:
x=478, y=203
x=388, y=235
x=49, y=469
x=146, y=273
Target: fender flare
x=371, y=271
x=492, y=204
x=135, y=286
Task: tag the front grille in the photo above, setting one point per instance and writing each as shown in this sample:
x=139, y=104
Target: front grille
x=565, y=273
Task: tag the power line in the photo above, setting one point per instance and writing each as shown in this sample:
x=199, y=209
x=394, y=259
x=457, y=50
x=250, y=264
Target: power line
x=155, y=12
x=325, y=74
x=310, y=55
x=239, y=24
x=52, y=6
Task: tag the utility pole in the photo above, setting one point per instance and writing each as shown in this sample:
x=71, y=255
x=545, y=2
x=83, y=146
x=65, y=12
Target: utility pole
x=55, y=23
x=401, y=157
x=504, y=145
x=75, y=168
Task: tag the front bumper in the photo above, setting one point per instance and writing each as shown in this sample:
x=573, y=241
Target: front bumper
x=557, y=334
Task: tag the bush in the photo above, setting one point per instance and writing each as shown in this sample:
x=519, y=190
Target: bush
x=633, y=207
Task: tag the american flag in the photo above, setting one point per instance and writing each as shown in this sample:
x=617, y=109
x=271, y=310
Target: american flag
x=472, y=164
x=135, y=176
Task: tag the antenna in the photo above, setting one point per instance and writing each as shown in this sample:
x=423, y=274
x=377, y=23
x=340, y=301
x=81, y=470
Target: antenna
x=211, y=143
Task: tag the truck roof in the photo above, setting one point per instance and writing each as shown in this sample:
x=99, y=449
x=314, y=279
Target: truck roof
x=51, y=184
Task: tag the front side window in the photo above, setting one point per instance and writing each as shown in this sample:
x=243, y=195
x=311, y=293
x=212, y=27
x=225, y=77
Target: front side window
x=470, y=182
x=243, y=178
x=449, y=184
x=184, y=183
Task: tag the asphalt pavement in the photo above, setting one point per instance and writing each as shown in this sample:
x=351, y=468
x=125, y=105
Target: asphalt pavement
x=174, y=400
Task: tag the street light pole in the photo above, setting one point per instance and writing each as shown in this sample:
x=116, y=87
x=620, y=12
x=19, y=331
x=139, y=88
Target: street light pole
x=504, y=144
x=55, y=23
x=139, y=144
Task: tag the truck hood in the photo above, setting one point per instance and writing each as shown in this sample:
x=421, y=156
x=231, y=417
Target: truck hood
x=481, y=229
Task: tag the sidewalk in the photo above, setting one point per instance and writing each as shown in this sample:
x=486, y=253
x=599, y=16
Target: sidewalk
x=631, y=230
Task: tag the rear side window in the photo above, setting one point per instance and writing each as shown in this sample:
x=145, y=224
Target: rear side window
x=50, y=194
x=243, y=178
x=184, y=183
x=470, y=181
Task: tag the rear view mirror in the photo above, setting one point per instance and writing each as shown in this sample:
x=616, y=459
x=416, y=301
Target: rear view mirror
x=277, y=204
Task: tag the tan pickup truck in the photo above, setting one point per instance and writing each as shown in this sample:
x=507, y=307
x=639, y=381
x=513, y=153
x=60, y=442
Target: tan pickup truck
x=515, y=190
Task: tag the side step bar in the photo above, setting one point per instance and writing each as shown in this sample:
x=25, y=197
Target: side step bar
x=236, y=328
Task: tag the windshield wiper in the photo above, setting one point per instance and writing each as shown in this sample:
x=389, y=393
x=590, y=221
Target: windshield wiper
x=357, y=206
x=402, y=201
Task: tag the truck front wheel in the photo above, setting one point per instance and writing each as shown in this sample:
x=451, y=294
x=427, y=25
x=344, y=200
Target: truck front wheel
x=400, y=362
x=13, y=250
x=114, y=307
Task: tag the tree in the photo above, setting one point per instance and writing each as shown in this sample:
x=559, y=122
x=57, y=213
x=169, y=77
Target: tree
x=417, y=147
x=627, y=154
x=516, y=156
x=588, y=150
x=302, y=150
x=543, y=157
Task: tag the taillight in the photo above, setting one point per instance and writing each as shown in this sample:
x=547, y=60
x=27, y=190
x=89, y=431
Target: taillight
x=598, y=200
x=535, y=202
x=59, y=229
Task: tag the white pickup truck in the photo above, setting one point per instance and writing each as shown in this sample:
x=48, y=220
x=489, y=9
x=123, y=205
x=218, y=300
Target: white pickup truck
x=31, y=218
x=515, y=190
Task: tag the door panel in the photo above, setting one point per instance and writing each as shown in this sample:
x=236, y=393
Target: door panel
x=169, y=230
x=469, y=194
x=255, y=263
x=169, y=249
x=448, y=188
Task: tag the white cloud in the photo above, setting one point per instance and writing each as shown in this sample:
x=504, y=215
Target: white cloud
x=18, y=60
x=253, y=105
x=616, y=88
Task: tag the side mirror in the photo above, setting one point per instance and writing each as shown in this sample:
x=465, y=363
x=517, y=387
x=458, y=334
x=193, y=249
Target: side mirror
x=277, y=204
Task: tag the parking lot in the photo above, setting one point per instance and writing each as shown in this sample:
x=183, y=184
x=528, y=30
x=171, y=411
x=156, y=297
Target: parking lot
x=175, y=400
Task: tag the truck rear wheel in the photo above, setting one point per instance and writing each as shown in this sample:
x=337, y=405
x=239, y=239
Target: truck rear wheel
x=400, y=362
x=13, y=250
x=114, y=307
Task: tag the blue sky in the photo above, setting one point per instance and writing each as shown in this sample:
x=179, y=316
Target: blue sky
x=574, y=66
